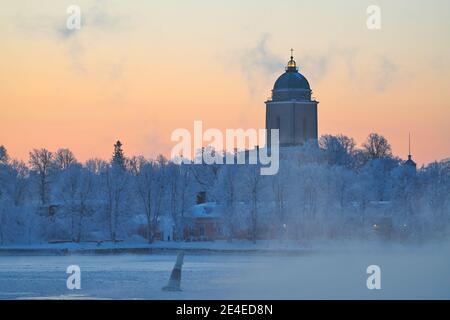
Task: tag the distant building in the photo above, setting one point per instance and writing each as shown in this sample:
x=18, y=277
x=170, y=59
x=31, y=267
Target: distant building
x=291, y=109
x=203, y=222
x=410, y=163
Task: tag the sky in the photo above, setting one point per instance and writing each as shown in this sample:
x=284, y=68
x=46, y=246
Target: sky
x=137, y=70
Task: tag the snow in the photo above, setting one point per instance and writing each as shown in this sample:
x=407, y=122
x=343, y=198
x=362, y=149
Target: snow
x=322, y=197
x=330, y=191
x=332, y=272
x=222, y=246
x=206, y=210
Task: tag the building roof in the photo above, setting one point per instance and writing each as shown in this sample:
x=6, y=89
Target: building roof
x=410, y=162
x=205, y=210
x=291, y=79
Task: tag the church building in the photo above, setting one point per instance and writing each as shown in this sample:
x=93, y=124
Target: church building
x=291, y=108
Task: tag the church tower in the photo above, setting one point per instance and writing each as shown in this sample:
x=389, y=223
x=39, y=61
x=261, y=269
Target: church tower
x=410, y=162
x=291, y=109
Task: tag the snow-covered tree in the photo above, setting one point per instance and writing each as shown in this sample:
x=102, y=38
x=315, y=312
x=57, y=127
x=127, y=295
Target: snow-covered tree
x=205, y=174
x=76, y=191
x=41, y=161
x=339, y=149
x=151, y=186
x=4, y=158
x=118, y=158
x=251, y=190
x=180, y=192
x=96, y=166
x=226, y=192
x=63, y=158
x=377, y=146
x=327, y=190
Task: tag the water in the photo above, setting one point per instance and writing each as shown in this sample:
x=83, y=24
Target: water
x=406, y=273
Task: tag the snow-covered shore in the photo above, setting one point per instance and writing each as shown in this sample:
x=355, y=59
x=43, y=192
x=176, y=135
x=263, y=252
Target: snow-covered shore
x=268, y=247
x=272, y=247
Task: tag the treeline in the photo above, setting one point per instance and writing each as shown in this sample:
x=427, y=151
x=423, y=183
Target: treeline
x=329, y=189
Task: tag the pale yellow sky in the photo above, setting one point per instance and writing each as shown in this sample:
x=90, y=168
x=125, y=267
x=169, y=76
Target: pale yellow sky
x=137, y=70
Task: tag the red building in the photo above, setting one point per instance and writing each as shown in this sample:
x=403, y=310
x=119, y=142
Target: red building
x=203, y=223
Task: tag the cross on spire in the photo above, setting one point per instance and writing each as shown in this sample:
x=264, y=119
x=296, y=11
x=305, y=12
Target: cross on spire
x=291, y=66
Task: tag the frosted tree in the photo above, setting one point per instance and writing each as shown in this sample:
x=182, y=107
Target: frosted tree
x=326, y=189
x=41, y=161
x=339, y=149
x=205, y=174
x=20, y=183
x=379, y=170
x=252, y=184
x=4, y=158
x=436, y=194
x=376, y=146
x=226, y=191
x=134, y=164
x=14, y=181
x=96, y=166
x=181, y=193
x=307, y=197
x=281, y=183
x=63, y=158
x=118, y=158
x=116, y=180
x=150, y=183
x=76, y=189
x=405, y=197
x=6, y=209
x=5, y=200
x=115, y=187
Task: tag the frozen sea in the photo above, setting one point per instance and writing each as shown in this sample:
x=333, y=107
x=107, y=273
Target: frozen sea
x=334, y=273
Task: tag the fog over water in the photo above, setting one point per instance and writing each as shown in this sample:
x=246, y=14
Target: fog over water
x=331, y=272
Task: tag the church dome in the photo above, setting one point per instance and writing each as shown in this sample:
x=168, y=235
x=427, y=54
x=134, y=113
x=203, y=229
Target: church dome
x=291, y=80
x=291, y=85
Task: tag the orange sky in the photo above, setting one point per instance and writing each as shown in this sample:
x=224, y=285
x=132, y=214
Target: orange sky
x=138, y=72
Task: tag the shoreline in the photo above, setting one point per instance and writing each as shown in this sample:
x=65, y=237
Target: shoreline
x=261, y=247
x=159, y=247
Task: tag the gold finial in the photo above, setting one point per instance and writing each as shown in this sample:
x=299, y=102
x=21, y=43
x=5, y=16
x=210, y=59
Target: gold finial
x=291, y=63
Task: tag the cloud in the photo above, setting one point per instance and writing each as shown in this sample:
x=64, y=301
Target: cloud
x=65, y=33
x=385, y=73
x=99, y=17
x=258, y=64
x=349, y=57
x=316, y=66
x=365, y=70
x=95, y=18
x=261, y=57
